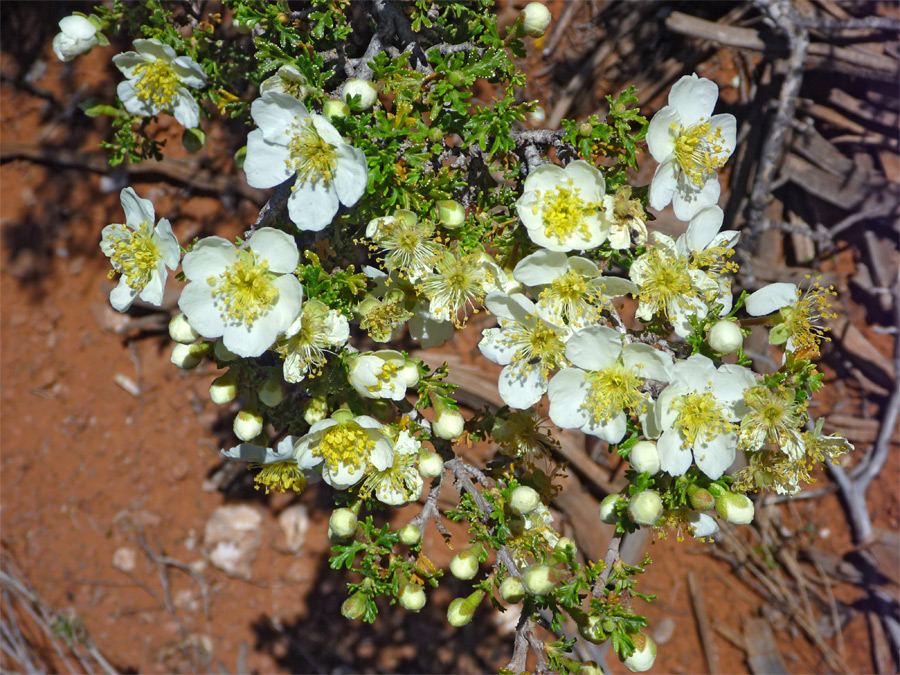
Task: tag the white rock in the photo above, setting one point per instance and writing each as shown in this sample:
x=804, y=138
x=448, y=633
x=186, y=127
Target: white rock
x=294, y=521
x=125, y=559
x=232, y=538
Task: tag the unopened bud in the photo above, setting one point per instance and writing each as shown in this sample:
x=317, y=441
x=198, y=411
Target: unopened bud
x=410, y=534
x=430, y=465
x=591, y=629
x=193, y=139
x=448, y=424
x=316, y=410
x=451, y=214
x=412, y=597
x=363, y=89
x=512, y=590
x=248, y=424
x=354, y=607
x=566, y=544
x=524, y=500
x=646, y=507
x=222, y=352
x=271, y=393
x=644, y=457
x=644, y=654
x=725, y=337
x=585, y=129
x=590, y=668
x=381, y=409
x=342, y=523
x=335, y=109
x=608, y=509
x=180, y=330
x=456, y=78
x=461, y=610
x=538, y=579
x=701, y=499
x=536, y=19
x=735, y=508
x=464, y=564
x=436, y=135
x=187, y=357
x=409, y=373
x=223, y=389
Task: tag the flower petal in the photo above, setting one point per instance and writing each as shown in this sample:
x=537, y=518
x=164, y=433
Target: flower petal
x=703, y=227
x=312, y=205
x=155, y=49
x=277, y=247
x=521, y=387
x=770, y=299
x=209, y=257
x=122, y=296
x=713, y=456
x=688, y=199
x=266, y=164
x=137, y=210
x=611, y=430
x=594, y=348
x=694, y=98
x=128, y=95
x=660, y=136
x=197, y=304
x=587, y=179
x=351, y=178
x=674, y=459
x=663, y=184
x=541, y=267
x=495, y=348
x=566, y=392
x=167, y=244
x=189, y=72
x=185, y=109
x=646, y=361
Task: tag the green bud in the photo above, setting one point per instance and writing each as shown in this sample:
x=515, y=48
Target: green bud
x=364, y=89
x=193, y=139
x=779, y=334
x=354, y=607
x=240, y=156
x=180, y=330
x=464, y=564
x=512, y=590
x=223, y=389
x=335, y=109
x=381, y=409
x=316, y=410
x=430, y=464
x=187, y=357
x=644, y=457
x=342, y=523
x=461, y=610
x=451, y=214
x=412, y=597
x=538, y=579
x=590, y=668
x=701, y=500
x=646, y=507
x=456, y=78
x=725, y=337
x=591, y=629
x=436, y=135
x=566, y=544
x=448, y=424
x=644, y=654
x=248, y=424
x=271, y=393
x=524, y=500
x=585, y=129
x=410, y=534
x=608, y=509
x=735, y=508
x=536, y=19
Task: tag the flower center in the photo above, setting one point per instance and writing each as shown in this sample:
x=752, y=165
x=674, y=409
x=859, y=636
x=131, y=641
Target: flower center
x=280, y=476
x=383, y=318
x=400, y=477
x=803, y=319
x=245, y=290
x=156, y=83
x=346, y=444
x=699, y=150
x=389, y=370
x=699, y=417
x=668, y=280
x=563, y=213
x=537, y=344
x=612, y=390
x=134, y=254
x=457, y=284
x=311, y=158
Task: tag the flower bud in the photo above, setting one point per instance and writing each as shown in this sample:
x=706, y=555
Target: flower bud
x=430, y=465
x=524, y=500
x=180, y=330
x=646, y=507
x=702, y=525
x=591, y=629
x=465, y=563
x=381, y=409
x=566, y=544
x=248, y=424
x=456, y=78
x=448, y=424
x=362, y=88
x=538, y=579
x=512, y=590
x=644, y=457
x=77, y=36
x=410, y=534
x=461, y=610
x=222, y=352
x=412, y=597
x=536, y=19
x=354, y=607
x=193, y=139
x=735, y=508
x=223, y=389
x=701, y=500
x=590, y=668
x=316, y=410
x=271, y=393
x=725, y=337
x=187, y=357
x=409, y=373
x=342, y=523
x=644, y=654
x=451, y=214
x=608, y=509
x=436, y=135
x=585, y=129
x=335, y=109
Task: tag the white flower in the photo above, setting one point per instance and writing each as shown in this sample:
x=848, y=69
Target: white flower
x=459, y=283
x=287, y=80
x=695, y=413
x=563, y=208
x=344, y=447
x=400, y=482
x=689, y=145
x=77, y=36
x=596, y=396
x=139, y=252
x=245, y=296
x=574, y=289
x=528, y=346
x=280, y=471
x=158, y=80
x=801, y=313
x=292, y=141
x=303, y=345
x=410, y=249
x=382, y=374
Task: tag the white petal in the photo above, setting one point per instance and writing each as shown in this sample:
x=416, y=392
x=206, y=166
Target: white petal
x=189, y=72
x=312, y=205
x=611, y=431
x=186, y=110
x=680, y=313
x=156, y=284
x=673, y=459
x=266, y=164
x=341, y=476
x=521, y=387
x=515, y=307
x=587, y=179
x=566, y=392
x=703, y=227
x=122, y=296
x=127, y=62
x=137, y=210
x=197, y=304
x=382, y=455
x=715, y=455
x=326, y=130
x=694, y=98
x=275, y=113
x=702, y=524
x=728, y=128
x=277, y=247
x=351, y=177
x=663, y=184
x=249, y=341
x=209, y=257
x=167, y=244
x=545, y=177
x=594, y=348
x=771, y=298
x=646, y=361
x=688, y=199
x=660, y=136
x=77, y=27
x=495, y=348
x=156, y=49
x=136, y=106
x=540, y=268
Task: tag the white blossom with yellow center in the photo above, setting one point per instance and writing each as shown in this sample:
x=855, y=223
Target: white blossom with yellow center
x=303, y=345
x=157, y=81
x=407, y=243
x=344, y=447
x=573, y=291
x=382, y=374
x=279, y=470
x=245, y=296
x=690, y=144
x=802, y=314
x=400, y=482
x=563, y=208
x=597, y=395
x=292, y=141
x=139, y=252
x=694, y=416
x=526, y=345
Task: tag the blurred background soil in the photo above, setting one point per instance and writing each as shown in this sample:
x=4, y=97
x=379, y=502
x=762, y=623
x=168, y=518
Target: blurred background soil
x=112, y=487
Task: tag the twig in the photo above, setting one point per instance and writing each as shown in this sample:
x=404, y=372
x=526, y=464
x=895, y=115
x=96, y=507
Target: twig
x=827, y=23
x=704, y=627
x=612, y=556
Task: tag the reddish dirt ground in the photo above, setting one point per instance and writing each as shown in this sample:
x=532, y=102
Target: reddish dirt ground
x=88, y=468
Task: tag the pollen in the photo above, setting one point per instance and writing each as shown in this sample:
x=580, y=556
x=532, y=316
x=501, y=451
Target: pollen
x=245, y=290
x=699, y=150
x=457, y=284
x=699, y=417
x=564, y=213
x=536, y=344
x=804, y=319
x=311, y=157
x=389, y=370
x=134, y=255
x=156, y=83
x=280, y=476
x=612, y=390
x=667, y=281
x=345, y=444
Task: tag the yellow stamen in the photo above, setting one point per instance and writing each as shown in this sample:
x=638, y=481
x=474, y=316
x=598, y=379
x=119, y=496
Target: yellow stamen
x=156, y=83
x=345, y=444
x=245, y=290
x=280, y=476
x=312, y=158
x=134, y=255
x=699, y=150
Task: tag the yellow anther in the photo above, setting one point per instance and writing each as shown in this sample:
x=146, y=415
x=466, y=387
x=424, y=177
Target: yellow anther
x=311, y=157
x=156, y=83
x=135, y=255
x=245, y=290
x=699, y=150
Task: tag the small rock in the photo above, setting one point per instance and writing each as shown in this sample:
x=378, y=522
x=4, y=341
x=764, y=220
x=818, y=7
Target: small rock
x=232, y=538
x=185, y=599
x=125, y=559
x=664, y=630
x=294, y=521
